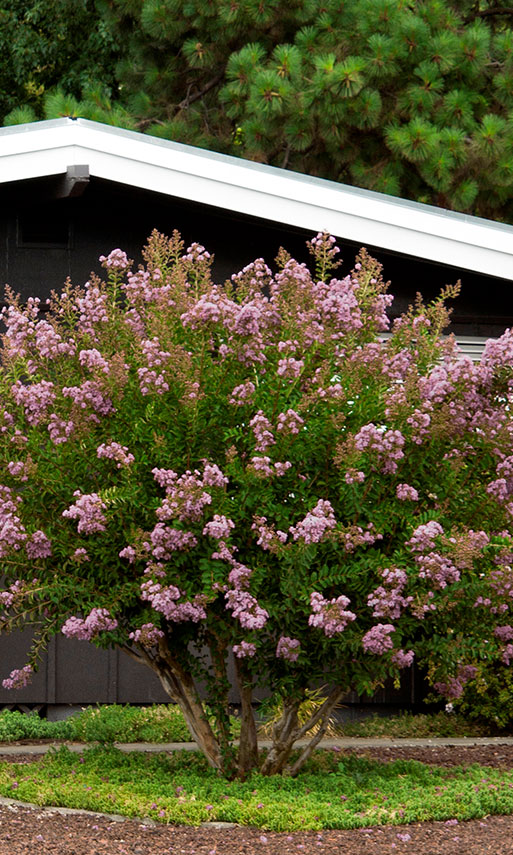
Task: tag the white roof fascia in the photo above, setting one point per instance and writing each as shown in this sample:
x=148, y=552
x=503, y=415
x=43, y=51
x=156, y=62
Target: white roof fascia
x=269, y=193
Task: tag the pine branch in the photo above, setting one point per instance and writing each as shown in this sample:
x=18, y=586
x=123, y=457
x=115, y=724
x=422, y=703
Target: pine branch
x=189, y=99
x=485, y=12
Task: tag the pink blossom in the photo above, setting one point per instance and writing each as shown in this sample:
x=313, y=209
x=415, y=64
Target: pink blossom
x=219, y=527
x=18, y=469
x=402, y=659
x=386, y=445
x=117, y=452
x=406, y=493
x=290, y=368
x=92, y=310
x=35, y=398
x=504, y=633
x=242, y=394
x=89, y=394
x=116, y=260
x=59, y=429
x=244, y=649
x=377, y=640
x=423, y=538
x=330, y=615
x=148, y=635
x=88, y=509
x=38, y=546
x=12, y=531
x=262, y=430
x=93, y=359
x=19, y=678
x=165, y=541
x=288, y=648
x=164, y=600
x=289, y=423
x=49, y=342
x=98, y=620
x=315, y=525
x=245, y=609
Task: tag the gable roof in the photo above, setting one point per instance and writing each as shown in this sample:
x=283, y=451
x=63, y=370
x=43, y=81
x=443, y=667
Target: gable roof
x=278, y=195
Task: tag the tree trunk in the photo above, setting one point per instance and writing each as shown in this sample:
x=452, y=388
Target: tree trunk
x=180, y=687
x=283, y=737
x=248, y=743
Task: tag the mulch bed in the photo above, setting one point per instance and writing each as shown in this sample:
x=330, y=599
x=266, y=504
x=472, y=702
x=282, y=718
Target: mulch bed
x=26, y=830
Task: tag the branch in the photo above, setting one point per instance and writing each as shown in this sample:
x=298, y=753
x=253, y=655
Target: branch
x=207, y=87
x=485, y=12
x=330, y=702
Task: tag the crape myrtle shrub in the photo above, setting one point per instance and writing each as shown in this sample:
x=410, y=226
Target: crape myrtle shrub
x=193, y=471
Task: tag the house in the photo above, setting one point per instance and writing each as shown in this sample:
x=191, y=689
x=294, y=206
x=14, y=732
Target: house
x=71, y=190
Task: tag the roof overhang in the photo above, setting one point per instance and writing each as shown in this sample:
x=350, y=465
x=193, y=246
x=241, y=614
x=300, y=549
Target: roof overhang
x=278, y=195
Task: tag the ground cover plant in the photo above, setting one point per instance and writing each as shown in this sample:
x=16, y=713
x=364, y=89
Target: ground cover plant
x=332, y=791
x=165, y=723
x=200, y=473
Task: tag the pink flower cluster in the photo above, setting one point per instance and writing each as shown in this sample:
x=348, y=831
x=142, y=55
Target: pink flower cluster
x=165, y=541
x=453, y=688
x=289, y=423
x=290, y=368
x=18, y=469
x=92, y=309
x=419, y=422
x=268, y=538
x=19, y=678
x=186, y=496
x=89, y=394
x=263, y=468
x=38, y=546
x=164, y=600
x=36, y=399
x=117, y=452
x=244, y=649
x=406, y=493
x=148, y=635
x=153, y=377
x=262, y=430
x=242, y=394
x=354, y=536
x=288, y=648
x=315, y=525
x=12, y=531
x=59, y=429
x=219, y=527
x=88, y=509
x=98, y=620
x=331, y=616
x=245, y=609
x=115, y=260
x=424, y=536
x=438, y=568
x=93, y=360
x=49, y=342
x=502, y=487
x=387, y=445
x=402, y=659
x=377, y=640
x=387, y=600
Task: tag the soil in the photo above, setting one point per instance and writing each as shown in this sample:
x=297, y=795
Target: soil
x=25, y=830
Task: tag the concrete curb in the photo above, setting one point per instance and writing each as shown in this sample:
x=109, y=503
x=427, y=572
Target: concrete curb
x=12, y=749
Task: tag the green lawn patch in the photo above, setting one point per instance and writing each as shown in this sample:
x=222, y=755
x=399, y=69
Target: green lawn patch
x=334, y=791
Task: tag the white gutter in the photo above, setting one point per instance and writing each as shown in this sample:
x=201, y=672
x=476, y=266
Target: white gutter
x=368, y=218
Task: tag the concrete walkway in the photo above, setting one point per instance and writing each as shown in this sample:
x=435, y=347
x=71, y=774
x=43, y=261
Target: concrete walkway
x=7, y=749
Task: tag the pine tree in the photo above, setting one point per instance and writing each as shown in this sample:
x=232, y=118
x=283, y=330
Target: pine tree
x=407, y=97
